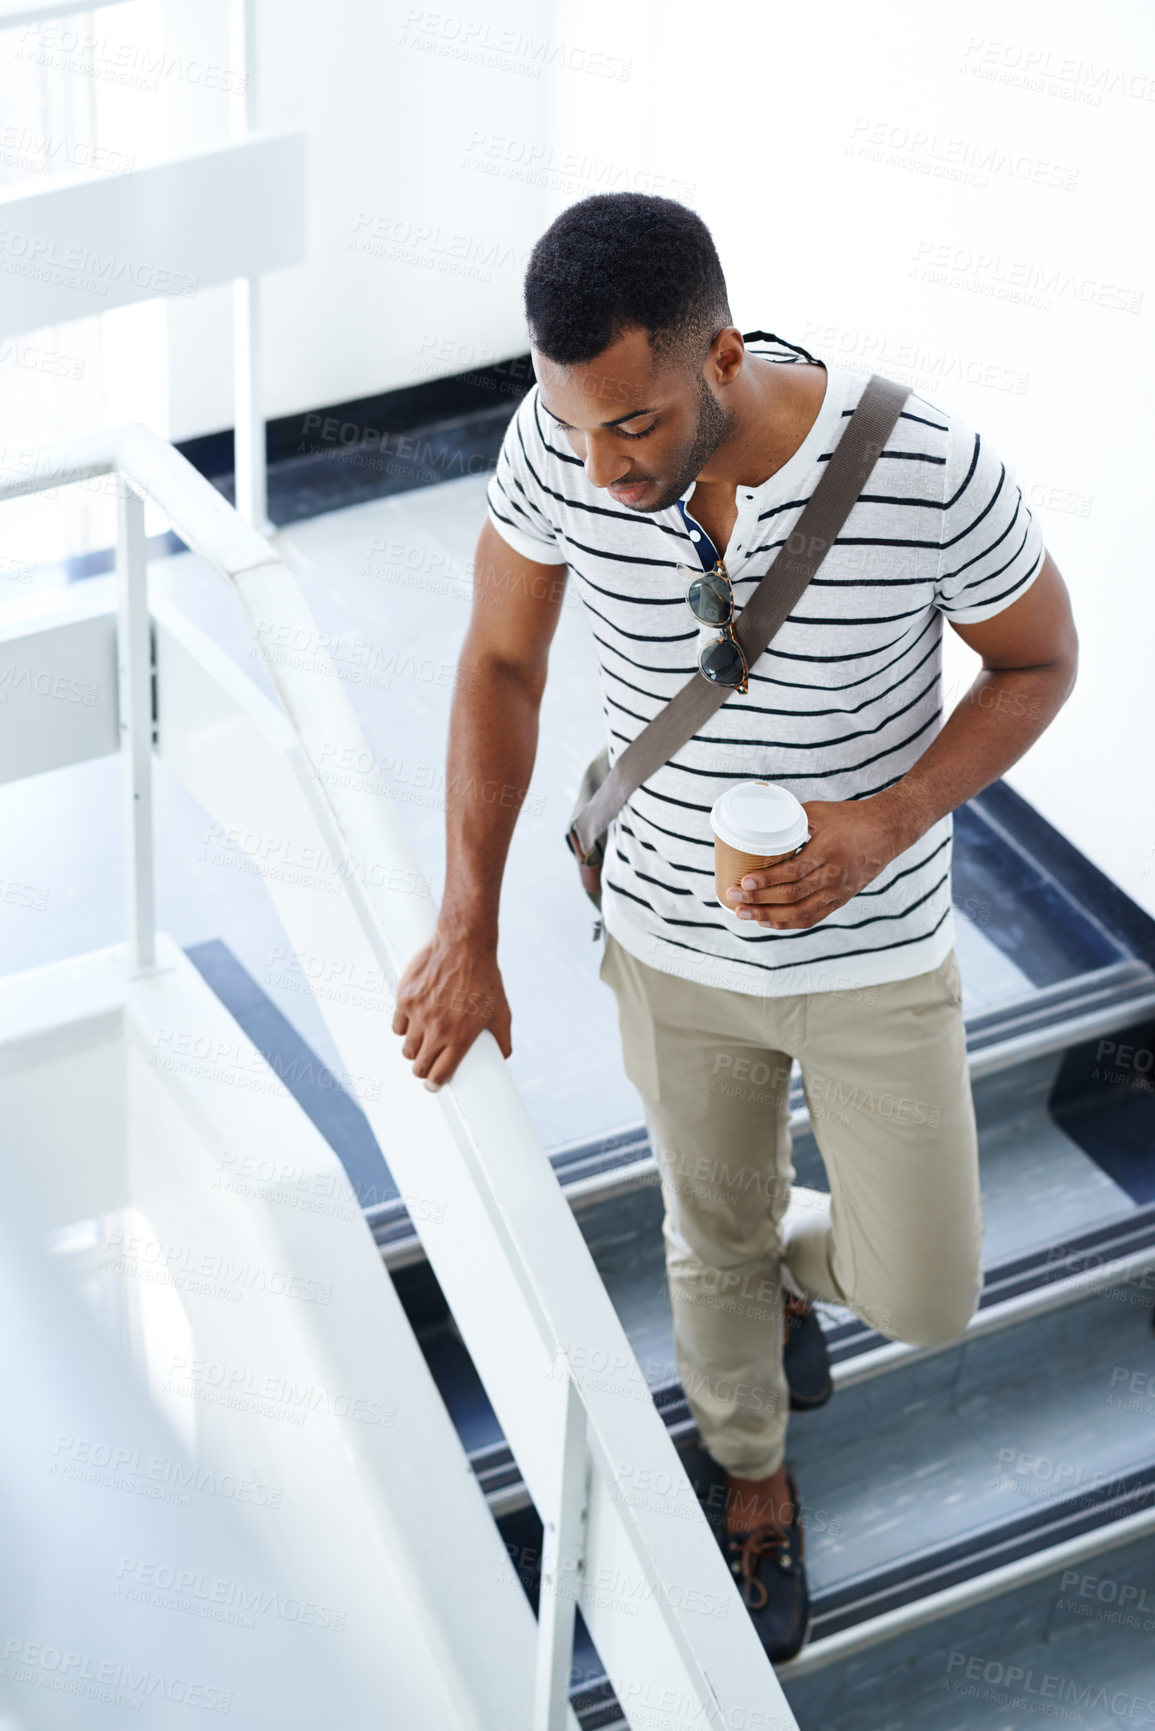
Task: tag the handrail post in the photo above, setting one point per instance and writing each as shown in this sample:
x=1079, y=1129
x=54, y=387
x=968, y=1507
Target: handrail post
x=250, y=470
x=134, y=662
x=562, y=1560
x=250, y=473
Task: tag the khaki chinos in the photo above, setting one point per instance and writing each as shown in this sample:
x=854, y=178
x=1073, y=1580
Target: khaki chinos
x=898, y=1240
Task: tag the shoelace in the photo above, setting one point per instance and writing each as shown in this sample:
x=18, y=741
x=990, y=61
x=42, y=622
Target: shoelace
x=794, y=1309
x=762, y=1542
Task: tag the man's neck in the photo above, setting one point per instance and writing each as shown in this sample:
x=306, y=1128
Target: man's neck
x=771, y=426
x=777, y=408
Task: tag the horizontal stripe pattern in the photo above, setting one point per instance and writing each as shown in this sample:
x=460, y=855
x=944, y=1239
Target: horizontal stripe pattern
x=845, y=700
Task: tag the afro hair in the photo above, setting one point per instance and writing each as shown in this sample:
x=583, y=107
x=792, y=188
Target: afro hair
x=622, y=260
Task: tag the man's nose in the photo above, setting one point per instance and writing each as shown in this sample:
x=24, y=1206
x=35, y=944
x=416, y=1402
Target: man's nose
x=604, y=466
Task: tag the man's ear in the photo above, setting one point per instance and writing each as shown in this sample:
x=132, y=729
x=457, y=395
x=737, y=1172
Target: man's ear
x=726, y=356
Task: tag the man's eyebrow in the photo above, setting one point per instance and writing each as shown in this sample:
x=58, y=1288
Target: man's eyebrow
x=632, y=416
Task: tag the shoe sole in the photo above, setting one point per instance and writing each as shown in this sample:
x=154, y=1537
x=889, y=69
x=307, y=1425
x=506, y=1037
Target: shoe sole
x=785, y=1658
x=804, y=1403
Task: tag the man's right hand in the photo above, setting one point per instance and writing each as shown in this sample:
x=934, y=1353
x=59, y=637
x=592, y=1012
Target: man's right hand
x=452, y=988
x=450, y=991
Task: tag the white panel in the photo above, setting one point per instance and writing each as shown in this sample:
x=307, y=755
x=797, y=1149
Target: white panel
x=83, y=245
x=58, y=701
x=214, y=1232
x=88, y=1645
x=388, y=1522
x=403, y=106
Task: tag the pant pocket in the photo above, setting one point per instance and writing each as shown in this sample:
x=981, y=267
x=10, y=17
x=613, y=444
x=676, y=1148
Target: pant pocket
x=635, y=1018
x=951, y=975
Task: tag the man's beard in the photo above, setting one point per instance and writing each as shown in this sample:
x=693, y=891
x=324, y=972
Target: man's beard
x=713, y=426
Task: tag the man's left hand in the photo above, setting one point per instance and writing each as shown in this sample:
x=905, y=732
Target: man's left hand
x=850, y=843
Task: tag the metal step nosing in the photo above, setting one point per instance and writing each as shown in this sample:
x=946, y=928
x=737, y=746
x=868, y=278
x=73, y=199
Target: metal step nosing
x=1004, y=1052
x=1108, y=984
x=969, y=1555
x=1037, y=1042
x=975, y=1590
x=509, y=1500
x=403, y=1253
x=618, y=1181
x=847, y=1642
x=1022, y=1308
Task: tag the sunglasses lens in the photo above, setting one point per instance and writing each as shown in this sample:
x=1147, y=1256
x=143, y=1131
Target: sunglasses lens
x=709, y=599
x=722, y=662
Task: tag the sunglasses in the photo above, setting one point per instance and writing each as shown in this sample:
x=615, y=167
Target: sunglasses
x=711, y=600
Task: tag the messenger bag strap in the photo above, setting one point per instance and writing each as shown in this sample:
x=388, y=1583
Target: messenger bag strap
x=822, y=517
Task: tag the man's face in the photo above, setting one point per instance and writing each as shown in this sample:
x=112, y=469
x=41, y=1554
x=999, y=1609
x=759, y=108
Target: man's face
x=643, y=433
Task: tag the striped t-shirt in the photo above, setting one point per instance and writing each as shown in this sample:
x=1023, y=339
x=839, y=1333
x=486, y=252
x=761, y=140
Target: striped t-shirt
x=846, y=698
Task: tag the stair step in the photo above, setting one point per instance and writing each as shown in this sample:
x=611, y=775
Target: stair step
x=1048, y=1241
x=1072, y=1644
x=1074, y=1620
x=950, y=1451
x=934, y=1482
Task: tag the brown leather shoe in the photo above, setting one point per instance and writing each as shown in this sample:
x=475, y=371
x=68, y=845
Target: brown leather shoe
x=767, y=1562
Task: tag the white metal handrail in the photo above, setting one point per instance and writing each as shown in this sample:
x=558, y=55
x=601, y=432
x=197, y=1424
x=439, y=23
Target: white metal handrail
x=575, y=1449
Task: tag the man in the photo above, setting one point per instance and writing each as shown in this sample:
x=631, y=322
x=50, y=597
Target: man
x=654, y=445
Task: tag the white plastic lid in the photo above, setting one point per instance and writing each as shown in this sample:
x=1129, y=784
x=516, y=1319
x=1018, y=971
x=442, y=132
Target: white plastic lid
x=760, y=818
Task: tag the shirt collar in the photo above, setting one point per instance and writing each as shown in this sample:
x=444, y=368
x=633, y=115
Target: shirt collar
x=707, y=552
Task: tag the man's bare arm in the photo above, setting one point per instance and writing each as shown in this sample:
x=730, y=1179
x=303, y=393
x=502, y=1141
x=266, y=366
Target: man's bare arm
x=1029, y=654
x=452, y=988
x=1030, y=658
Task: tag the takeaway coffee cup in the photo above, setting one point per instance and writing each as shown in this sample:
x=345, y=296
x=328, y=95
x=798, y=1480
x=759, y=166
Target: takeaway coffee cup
x=755, y=824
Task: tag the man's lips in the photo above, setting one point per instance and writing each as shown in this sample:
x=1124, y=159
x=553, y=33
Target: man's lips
x=627, y=495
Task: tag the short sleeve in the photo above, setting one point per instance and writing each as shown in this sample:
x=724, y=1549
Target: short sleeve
x=991, y=548
x=517, y=496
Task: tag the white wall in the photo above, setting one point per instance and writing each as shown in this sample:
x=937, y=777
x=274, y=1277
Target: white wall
x=415, y=257
x=415, y=253
x=838, y=157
